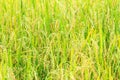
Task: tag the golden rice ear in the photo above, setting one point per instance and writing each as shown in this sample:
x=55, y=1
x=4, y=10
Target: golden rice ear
x=11, y=74
x=2, y=48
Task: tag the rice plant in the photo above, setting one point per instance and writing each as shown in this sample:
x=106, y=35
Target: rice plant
x=59, y=39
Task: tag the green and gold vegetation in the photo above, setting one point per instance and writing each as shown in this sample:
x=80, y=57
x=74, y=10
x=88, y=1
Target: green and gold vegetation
x=59, y=39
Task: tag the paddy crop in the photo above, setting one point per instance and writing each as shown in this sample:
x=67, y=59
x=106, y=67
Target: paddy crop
x=59, y=39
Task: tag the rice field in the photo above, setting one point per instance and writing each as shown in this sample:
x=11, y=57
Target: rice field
x=59, y=39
